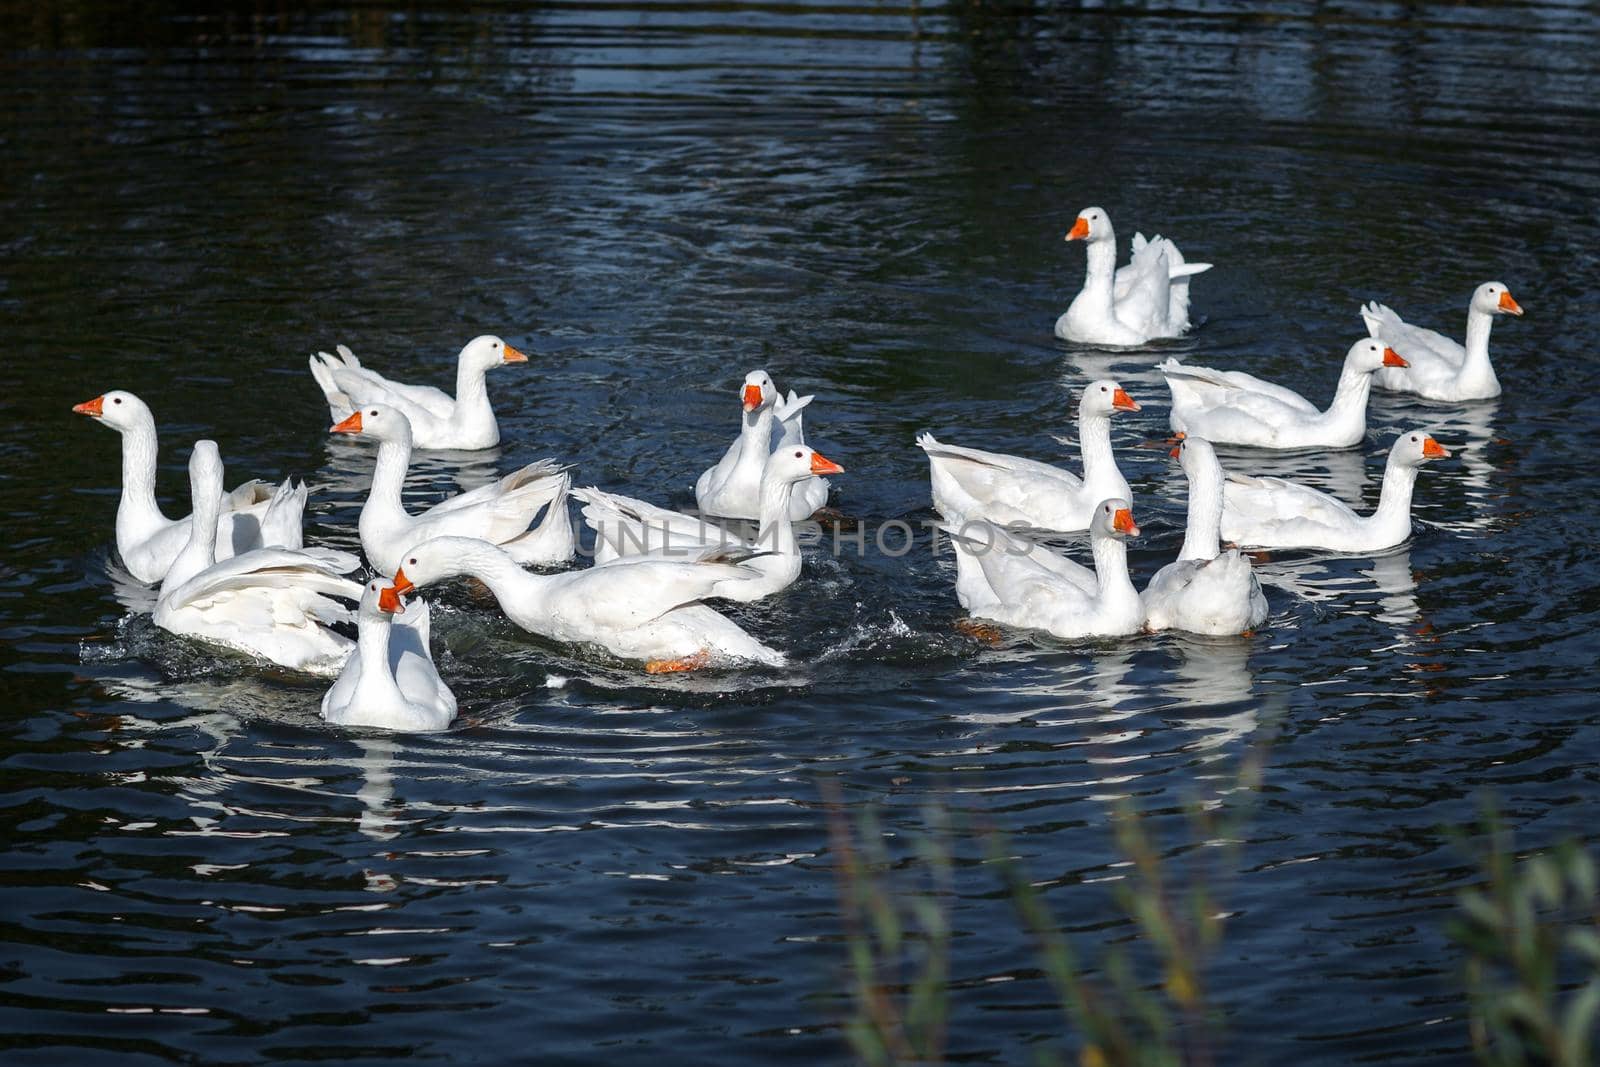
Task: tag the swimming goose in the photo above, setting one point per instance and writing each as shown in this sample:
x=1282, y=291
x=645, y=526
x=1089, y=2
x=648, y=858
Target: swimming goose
x=1275, y=513
x=1206, y=590
x=971, y=484
x=253, y=515
x=438, y=420
x=1441, y=368
x=390, y=682
x=732, y=488
x=272, y=603
x=625, y=527
x=499, y=512
x=1146, y=299
x=1231, y=407
x=998, y=578
x=636, y=608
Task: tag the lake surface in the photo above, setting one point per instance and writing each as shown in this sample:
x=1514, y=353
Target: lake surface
x=868, y=201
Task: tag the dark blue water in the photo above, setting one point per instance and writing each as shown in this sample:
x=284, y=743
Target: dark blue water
x=869, y=202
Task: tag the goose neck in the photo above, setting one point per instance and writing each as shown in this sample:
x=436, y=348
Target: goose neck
x=1476, y=370
x=775, y=532
x=1111, y=568
x=1094, y=440
x=518, y=591
x=1354, y=387
x=1394, y=499
x=755, y=436
x=138, y=507
x=372, y=646
x=389, y=475
x=200, y=551
x=1203, y=535
x=472, y=392
x=1101, y=270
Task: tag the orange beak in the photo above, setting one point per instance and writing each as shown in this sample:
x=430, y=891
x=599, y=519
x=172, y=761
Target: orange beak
x=752, y=397
x=95, y=407
x=1177, y=451
x=1508, y=305
x=821, y=464
x=513, y=356
x=402, y=584
x=1123, y=402
x=1432, y=449
x=1080, y=229
x=350, y=425
x=1122, y=522
x=389, y=600
x=1391, y=358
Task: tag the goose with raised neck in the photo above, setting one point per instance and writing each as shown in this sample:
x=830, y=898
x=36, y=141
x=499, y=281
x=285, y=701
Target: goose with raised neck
x=1440, y=367
x=969, y=483
x=270, y=603
x=732, y=488
x=253, y=515
x=1005, y=582
x=391, y=681
x=500, y=512
x=1231, y=407
x=636, y=608
x=1205, y=590
x=1276, y=513
x=464, y=421
x=1145, y=300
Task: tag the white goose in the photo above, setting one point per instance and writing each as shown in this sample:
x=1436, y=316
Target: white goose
x=438, y=420
x=625, y=527
x=1146, y=299
x=732, y=488
x=499, y=512
x=272, y=603
x=1234, y=408
x=391, y=681
x=253, y=515
x=639, y=608
x=1440, y=368
x=1206, y=590
x=971, y=484
x=1274, y=513
x=999, y=577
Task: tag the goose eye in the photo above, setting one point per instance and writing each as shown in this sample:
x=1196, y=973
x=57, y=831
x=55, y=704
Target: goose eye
x=116, y=400
x=1102, y=388
x=799, y=455
x=373, y=413
x=413, y=561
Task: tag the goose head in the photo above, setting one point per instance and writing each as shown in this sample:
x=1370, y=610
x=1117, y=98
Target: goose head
x=1196, y=455
x=118, y=409
x=434, y=560
x=380, y=422
x=379, y=601
x=1493, y=298
x=487, y=352
x=757, y=391
x=1105, y=397
x=1113, y=518
x=1372, y=353
x=799, y=462
x=205, y=471
x=1092, y=224
x=1416, y=448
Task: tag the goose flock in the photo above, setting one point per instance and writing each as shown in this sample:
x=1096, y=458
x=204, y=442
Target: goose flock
x=235, y=573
